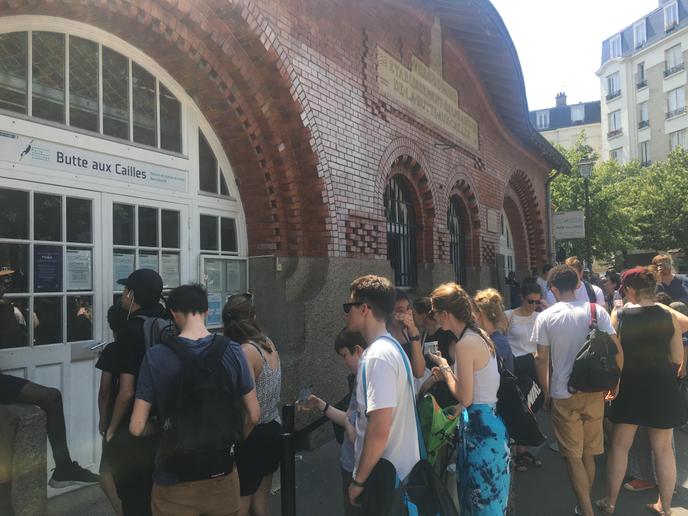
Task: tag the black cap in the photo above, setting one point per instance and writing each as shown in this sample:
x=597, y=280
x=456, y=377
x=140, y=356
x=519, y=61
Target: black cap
x=146, y=285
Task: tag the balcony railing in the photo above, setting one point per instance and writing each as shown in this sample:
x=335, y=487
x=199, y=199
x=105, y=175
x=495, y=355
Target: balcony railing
x=641, y=84
x=614, y=133
x=646, y=163
x=670, y=26
x=643, y=124
x=674, y=69
x=613, y=95
x=676, y=112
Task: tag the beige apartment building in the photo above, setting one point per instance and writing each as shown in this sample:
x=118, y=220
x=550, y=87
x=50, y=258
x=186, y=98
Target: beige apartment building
x=564, y=123
x=643, y=86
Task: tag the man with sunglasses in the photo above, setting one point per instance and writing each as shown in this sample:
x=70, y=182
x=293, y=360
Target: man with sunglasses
x=674, y=285
x=386, y=435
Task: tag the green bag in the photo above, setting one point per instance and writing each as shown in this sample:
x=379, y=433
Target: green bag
x=438, y=425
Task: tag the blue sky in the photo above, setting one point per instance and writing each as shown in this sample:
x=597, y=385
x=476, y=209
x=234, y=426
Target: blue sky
x=559, y=42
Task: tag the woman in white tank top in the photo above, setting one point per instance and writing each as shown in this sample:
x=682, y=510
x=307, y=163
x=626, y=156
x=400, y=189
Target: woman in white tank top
x=482, y=463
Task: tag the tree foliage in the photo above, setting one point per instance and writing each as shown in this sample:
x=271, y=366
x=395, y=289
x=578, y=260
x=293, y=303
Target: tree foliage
x=631, y=207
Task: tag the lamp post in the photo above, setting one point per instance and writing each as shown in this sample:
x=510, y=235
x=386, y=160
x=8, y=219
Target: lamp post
x=585, y=170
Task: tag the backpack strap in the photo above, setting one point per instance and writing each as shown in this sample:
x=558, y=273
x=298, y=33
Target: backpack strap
x=592, y=297
x=593, y=316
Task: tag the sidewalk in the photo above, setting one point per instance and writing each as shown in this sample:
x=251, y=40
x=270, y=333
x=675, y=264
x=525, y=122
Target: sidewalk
x=539, y=492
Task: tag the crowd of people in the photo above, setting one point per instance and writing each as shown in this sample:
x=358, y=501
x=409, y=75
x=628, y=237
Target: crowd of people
x=190, y=418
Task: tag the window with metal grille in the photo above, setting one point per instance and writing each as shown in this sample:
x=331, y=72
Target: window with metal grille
x=401, y=232
x=456, y=224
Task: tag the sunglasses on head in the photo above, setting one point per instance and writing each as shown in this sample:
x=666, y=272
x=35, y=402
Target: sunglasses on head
x=347, y=306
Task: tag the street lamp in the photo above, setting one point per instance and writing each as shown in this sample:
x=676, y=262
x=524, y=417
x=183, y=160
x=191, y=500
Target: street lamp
x=585, y=170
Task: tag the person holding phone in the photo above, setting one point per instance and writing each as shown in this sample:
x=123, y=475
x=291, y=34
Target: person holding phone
x=349, y=345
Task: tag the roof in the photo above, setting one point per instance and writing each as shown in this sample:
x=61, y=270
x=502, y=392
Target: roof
x=479, y=28
x=561, y=116
x=654, y=31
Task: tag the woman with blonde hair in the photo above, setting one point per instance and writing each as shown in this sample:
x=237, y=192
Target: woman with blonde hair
x=489, y=315
x=482, y=462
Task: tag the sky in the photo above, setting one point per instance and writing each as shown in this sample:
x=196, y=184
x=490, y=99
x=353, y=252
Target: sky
x=559, y=42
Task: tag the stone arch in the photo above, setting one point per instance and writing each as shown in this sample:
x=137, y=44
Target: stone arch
x=404, y=157
x=461, y=185
x=522, y=208
x=238, y=79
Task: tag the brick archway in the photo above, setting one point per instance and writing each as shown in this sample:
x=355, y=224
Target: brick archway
x=460, y=185
x=236, y=77
x=522, y=209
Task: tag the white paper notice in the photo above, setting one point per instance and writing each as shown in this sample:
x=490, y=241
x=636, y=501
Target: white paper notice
x=122, y=266
x=148, y=261
x=170, y=270
x=79, y=269
x=236, y=274
x=213, y=274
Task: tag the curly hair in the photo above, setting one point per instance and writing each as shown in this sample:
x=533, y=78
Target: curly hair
x=453, y=299
x=239, y=320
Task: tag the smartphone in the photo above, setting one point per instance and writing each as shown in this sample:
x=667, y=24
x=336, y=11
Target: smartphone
x=431, y=348
x=304, y=393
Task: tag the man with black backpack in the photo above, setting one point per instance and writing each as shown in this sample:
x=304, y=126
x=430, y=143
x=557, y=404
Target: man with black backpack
x=561, y=332
x=199, y=387
x=131, y=460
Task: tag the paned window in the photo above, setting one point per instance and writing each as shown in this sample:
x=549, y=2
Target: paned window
x=401, y=232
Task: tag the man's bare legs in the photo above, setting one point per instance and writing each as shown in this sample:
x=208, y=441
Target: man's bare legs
x=581, y=475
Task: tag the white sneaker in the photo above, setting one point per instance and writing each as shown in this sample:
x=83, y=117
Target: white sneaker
x=554, y=446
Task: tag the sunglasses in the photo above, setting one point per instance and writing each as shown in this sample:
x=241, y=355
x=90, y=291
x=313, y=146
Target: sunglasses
x=347, y=306
x=533, y=301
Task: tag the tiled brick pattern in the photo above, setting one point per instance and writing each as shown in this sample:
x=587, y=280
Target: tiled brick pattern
x=290, y=87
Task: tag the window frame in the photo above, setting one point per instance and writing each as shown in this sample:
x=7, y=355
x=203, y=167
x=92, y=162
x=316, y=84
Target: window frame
x=580, y=108
x=614, y=116
x=615, y=49
x=542, y=119
x=457, y=222
x=644, y=152
x=676, y=101
x=401, y=231
x=671, y=11
x=677, y=139
x=616, y=154
x=638, y=42
x=67, y=35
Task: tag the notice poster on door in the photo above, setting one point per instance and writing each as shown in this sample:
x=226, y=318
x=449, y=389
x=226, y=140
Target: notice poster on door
x=214, y=318
x=122, y=266
x=47, y=267
x=79, y=269
x=236, y=276
x=170, y=270
x=148, y=261
x=213, y=275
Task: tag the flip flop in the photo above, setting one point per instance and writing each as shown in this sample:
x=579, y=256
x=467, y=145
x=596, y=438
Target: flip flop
x=603, y=505
x=652, y=507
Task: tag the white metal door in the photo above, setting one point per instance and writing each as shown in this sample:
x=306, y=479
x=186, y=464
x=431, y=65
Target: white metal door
x=50, y=248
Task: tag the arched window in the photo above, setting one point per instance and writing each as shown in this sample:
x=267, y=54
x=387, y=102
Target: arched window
x=506, y=246
x=401, y=228
x=86, y=85
x=456, y=224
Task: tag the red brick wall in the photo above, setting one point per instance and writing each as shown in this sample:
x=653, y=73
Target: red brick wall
x=290, y=87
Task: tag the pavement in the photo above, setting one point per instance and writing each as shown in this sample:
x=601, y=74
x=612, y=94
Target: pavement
x=539, y=492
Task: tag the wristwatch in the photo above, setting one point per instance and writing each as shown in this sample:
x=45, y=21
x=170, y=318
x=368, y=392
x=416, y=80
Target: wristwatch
x=414, y=338
x=357, y=484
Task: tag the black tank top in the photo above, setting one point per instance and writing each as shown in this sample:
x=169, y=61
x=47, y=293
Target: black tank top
x=645, y=334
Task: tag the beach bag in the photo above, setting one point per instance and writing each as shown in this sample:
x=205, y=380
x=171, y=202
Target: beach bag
x=437, y=424
x=595, y=368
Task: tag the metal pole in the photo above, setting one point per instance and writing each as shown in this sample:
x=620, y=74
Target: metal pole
x=588, y=234
x=288, y=463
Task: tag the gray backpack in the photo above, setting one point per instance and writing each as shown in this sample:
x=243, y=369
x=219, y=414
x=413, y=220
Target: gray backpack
x=156, y=329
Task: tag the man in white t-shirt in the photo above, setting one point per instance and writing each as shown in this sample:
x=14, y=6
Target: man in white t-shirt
x=560, y=333
x=584, y=291
x=542, y=280
x=386, y=419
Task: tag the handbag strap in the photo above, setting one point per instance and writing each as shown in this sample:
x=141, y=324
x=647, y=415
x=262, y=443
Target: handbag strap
x=593, y=316
x=421, y=443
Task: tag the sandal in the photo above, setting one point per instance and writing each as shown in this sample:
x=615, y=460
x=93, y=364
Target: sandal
x=655, y=508
x=604, y=506
x=532, y=459
x=520, y=464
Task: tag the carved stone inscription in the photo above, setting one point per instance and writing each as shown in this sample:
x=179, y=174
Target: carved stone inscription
x=426, y=94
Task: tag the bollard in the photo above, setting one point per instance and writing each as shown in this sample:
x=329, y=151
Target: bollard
x=288, y=463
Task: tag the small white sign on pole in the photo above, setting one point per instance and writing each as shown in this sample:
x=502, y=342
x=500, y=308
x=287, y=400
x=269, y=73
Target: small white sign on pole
x=569, y=225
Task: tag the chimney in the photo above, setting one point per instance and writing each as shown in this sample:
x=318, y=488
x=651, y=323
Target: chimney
x=561, y=99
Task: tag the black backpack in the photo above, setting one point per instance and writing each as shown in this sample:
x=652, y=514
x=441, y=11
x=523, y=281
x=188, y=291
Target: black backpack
x=592, y=297
x=156, y=329
x=595, y=368
x=203, y=421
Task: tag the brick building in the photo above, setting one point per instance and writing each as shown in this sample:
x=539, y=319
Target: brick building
x=281, y=146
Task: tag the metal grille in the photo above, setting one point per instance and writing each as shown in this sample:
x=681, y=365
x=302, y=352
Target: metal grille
x=401, y=229
x=13, y=71
x=456, y=219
